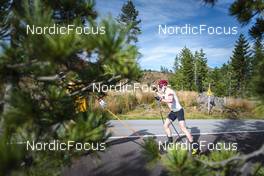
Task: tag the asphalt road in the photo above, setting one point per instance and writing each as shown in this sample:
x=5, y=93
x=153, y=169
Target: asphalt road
x=147, y=128
x=124, y=157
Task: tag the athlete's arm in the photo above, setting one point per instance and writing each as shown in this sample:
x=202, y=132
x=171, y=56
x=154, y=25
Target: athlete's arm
x=159, y=94
x=169, y=99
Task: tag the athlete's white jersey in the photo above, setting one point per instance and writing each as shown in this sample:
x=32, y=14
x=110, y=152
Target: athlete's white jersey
x=174, y=105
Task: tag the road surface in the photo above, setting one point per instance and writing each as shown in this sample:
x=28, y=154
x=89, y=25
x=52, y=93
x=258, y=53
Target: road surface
x=124, y=157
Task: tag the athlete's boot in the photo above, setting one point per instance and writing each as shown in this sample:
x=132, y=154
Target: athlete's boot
x=195, y=148
x=170, y=140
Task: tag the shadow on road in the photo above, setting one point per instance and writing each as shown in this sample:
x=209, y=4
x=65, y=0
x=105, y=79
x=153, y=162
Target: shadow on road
x=123, y=157
x=246, y=141
x=132, y=164
x=132, y=139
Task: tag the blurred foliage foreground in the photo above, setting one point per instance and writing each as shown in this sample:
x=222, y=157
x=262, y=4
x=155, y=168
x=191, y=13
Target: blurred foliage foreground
x=179, y=162
x=35, y=71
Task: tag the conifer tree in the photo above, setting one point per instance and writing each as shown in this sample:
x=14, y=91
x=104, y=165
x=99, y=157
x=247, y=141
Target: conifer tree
x=247, y=12
x=36, y=71
x=4, y=13
x=177, y=77
x=187, y=63
x=240, y=66
x=258, y=52
x=176, y=80
x=164, y=69
x=177, y=161
x=257, y=68
x=183, y=78
x=219, y=80
x=201, y=70
x=176, y=65
x=129, y=19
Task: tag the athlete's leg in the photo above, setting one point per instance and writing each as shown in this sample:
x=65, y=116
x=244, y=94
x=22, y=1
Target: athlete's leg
x=182, y=125
x=185, y=131
x=195, y=146
x=166, y=127
x=167, y=123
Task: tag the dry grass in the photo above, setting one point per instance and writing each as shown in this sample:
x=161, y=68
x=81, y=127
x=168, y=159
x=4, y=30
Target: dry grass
x=141, y=105
x=188, y=98
x=122, y=102
x=145, y=97
x=243, y=105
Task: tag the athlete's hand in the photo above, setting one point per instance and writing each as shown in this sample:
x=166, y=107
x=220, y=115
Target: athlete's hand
x=158, y=98
x=155, y=89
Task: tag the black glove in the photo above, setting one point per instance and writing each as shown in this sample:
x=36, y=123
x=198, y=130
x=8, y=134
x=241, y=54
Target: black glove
x=155, y=89
x=158, y=98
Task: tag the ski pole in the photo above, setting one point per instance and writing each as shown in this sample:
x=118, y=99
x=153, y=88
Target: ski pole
x=170, y=121
x=103, y=105
x=160, y=112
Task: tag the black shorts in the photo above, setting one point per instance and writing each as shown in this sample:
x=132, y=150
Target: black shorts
x=174, y=115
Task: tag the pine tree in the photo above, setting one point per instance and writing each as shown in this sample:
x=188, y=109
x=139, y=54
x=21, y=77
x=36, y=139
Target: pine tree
x=129, y=19
x=240, y=66
x=164, y=69
x=177, y=161
x=258, y=52
x=257, y=68
x=219, y=80
x=226, y=73
x=187, y=63
x=176, y=79
x=247, y=12
x=176, y=65
x=4, y=13
x=183, y=78
x=36, y=72
x=201, y=70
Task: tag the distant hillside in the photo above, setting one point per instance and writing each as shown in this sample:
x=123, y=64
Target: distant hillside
x=150, y=76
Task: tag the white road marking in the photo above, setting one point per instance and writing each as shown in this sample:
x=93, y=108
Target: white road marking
x=206, y=133
x=163, y=135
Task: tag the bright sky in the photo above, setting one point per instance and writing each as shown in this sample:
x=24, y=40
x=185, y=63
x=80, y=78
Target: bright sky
x=159, y=50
